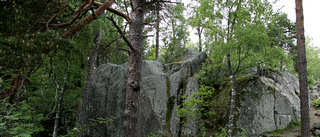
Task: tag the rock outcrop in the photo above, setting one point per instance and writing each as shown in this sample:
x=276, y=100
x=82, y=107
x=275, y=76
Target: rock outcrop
x=162, y=88
x=263, y=104
x=315, y=94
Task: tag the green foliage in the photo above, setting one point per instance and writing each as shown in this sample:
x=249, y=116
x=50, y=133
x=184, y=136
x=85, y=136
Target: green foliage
x=175, y=34
x=4, y=81
x=19, y=17
x=313, y=60
x=19, y=120
x=212, y=74
x=222, y=133
x=72, y=132
x=101, y=121
x=281, y=31
x=245, y=38
x=196, y=106
x=27, y=44
x=49, y=81
x=316, y=103
x=290, y=126
x=30, y=49
x=154, y=135
x=174, y=56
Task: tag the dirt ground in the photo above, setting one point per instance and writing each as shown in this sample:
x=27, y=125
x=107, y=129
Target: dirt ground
x=295, y=132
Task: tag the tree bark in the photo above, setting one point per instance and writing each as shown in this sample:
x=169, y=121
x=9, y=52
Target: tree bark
x=131, y=112
x=233, y=96
x=87, y=19
x=157, y=29
x=56, y=121
x=302, y=64
x=199, y=29
x=83, y=109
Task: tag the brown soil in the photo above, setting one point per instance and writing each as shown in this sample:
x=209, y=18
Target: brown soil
x=295, y=132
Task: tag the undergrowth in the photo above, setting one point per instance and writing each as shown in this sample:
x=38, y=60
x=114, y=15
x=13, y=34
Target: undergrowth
x=316, y=103
x=289, y=127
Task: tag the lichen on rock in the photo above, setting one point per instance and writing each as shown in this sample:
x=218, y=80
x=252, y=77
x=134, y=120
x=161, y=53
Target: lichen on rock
x=162, y=88
x=263, y=104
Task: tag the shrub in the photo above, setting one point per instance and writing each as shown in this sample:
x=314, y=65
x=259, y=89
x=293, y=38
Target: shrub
x=316, y=103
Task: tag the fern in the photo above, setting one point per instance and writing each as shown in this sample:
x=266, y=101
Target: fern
x=18, y=120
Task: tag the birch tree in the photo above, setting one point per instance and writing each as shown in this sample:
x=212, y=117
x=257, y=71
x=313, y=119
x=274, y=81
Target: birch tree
x=240, y=39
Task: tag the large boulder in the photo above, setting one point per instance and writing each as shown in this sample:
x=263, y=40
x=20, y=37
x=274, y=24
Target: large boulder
x=162, y=88
x=263, y=104
x=315, y=94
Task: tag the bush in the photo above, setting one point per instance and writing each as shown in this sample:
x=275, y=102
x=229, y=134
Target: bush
x=195, y=107
x=316, y=103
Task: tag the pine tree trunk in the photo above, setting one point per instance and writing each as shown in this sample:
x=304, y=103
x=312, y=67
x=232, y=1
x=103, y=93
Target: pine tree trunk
x=83, y=109
x=131, y=112
x=302, y=64
x=157, y=30
x=233, y=96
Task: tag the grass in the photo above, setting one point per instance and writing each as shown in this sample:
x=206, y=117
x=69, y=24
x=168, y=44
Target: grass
x=278, y=132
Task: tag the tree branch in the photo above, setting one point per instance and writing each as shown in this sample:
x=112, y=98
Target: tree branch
x=121, y=33
x=89, y=5
x=115, y=11
x=55, y=16
x=240, y=60
x=125, y=50
x=110, y=42
x=88, y=19
x=173, y=2
x=78, y=13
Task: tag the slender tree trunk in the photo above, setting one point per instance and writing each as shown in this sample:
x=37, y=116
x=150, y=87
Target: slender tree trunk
x=131, y=112
x=56, y=121
x=199, y=35
x=83, y=109
x=174, y=43
x=157, y=29
x=302, y=64
x=233, y=96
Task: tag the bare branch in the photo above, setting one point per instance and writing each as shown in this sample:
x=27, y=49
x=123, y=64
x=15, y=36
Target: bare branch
x=55, y=16
x=78, y=13
x=89, y=5
x=148, y=36
x=121, y=33
x=125, y=4
x=125, y=50
x=110, y=42
x=173, y=2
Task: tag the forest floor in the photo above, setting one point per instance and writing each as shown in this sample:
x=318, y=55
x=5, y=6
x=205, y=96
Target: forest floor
x=295, y=131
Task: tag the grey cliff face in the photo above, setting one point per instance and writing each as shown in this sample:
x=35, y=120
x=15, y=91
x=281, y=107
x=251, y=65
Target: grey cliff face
x=315, y=94
x=264, y=103
x=162, y=88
